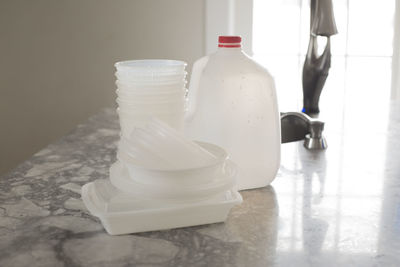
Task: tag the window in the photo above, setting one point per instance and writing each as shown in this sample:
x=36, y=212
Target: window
x=359, y=81
x=363, y=48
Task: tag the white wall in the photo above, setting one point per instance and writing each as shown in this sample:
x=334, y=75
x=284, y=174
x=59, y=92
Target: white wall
x=228, y=17
x=396, y=55
x=56, y=60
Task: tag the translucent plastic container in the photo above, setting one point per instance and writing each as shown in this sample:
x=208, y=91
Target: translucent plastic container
x=157, y=146
x=152, y=109
x=174, y=139
x=177, y=94
x=193, y=174
x=172, y=191
x=173, y=102
x=127, y=77
x=150, y=86
x=232, y=103
x=128, y=121
x=148, y=66
x=138, y=101
x=140, y=156
x=122, y=213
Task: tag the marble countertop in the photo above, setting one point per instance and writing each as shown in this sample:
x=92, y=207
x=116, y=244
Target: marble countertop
x=339, y=207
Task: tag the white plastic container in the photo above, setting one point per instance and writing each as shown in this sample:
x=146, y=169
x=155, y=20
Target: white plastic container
x=149, y=66
x=129, y=120
x=148, y=98
x=173, y=105
x=122, y=213
x=158, y=162
x=148, y=88
x=183, y=176
x=165, y=148
x=173, y=191
x=157, y=87
x=232, y=103
x=127, y=77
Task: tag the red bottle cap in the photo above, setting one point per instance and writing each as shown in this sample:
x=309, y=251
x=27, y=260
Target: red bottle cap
x=229, y=41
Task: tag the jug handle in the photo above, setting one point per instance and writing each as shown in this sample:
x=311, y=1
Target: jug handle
x=197, y=71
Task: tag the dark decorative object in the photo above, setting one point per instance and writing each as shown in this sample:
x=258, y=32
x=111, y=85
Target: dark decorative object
x=316, y=67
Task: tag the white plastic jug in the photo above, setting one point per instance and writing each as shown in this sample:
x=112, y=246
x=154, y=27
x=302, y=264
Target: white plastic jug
x=232, y=103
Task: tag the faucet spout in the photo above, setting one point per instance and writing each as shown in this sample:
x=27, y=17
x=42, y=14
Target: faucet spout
x=297, y=126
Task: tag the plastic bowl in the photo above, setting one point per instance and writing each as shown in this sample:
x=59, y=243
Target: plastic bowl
x=172, y=177
x=152, y=109
x=149, y=103
x=151, y=92
x=171, y=138
x=176, y=154
x=149, y=85
x=151, y=89
x=151, y=66
x=133, y=112
x=151, y=74
x=151, y=106
x=173, y=98
x=143, y=155
x=129, y=78
x=195, y=183
x=163, y=100
x=226, y=181
x=128, y=96
x=128, y=121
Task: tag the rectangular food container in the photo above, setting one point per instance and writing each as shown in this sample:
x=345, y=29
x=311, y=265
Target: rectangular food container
x=137, y=217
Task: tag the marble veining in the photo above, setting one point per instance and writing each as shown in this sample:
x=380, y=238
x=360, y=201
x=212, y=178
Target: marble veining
x=339, y=207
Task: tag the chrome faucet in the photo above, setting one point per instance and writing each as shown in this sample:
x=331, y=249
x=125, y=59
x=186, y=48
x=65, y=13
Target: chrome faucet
x=297, y=126
x=316, y=67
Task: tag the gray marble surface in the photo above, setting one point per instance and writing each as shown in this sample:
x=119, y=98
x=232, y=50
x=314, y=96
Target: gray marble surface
x=339, y=207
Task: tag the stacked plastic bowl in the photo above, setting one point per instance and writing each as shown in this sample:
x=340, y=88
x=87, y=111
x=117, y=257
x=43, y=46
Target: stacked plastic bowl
x=163, y=180
x=163, y=164
x=150, y=88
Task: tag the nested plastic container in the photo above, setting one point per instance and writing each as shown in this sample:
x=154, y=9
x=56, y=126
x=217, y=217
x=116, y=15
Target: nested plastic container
x=176, y=102
x=127, y=77
x=122, y=213
x=173, y=191
x=129, y=120
x=150, y=88
x=175, y=177
x=159, y=162
x=160, y=147
x=145, y=114
x=232, y=102
x=153, y=87
x=149, y=71
x=149, y=66
x=171, y=95
x=137, y=101
x=152, y=109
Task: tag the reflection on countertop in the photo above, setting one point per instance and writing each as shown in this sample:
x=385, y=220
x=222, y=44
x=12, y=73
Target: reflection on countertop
x=336, y=207
x=341, y=206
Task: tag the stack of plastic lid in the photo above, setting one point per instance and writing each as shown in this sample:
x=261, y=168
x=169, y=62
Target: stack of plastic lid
x=163, y=180
x=150, y=88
